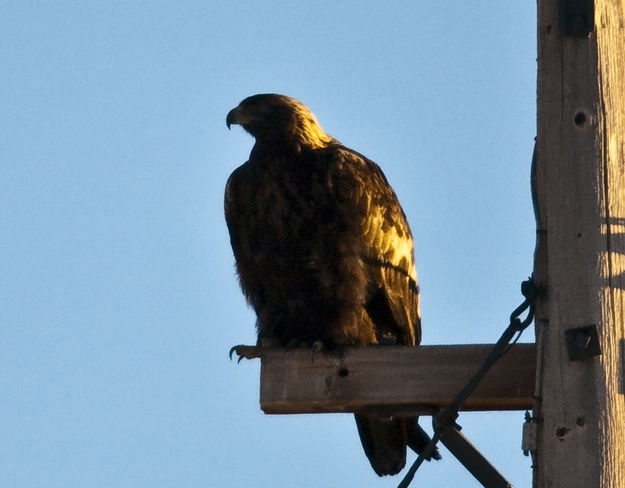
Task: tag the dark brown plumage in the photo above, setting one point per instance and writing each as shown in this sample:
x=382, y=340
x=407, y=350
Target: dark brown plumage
x=323, y=250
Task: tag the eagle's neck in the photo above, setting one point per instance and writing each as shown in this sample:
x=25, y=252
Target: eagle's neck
x=303, y=134
x=308, y=134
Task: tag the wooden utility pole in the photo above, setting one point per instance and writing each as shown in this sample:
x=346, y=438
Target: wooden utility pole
x=580, y=259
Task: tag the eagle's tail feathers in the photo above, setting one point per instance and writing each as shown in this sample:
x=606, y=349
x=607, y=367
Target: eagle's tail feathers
x=383, y=444
x=385, y=439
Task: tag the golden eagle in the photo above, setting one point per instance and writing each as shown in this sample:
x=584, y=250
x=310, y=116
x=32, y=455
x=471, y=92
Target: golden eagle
x=323, y=251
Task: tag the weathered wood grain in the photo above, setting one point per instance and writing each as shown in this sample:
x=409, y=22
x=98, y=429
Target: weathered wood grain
x=397, y=379
x=581, y=191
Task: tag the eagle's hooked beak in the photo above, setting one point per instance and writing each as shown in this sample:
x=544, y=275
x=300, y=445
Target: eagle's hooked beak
x=240, y=116
x=231, y=118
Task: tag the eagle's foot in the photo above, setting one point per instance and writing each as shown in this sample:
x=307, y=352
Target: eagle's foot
x=253, y=352
x=245, y=352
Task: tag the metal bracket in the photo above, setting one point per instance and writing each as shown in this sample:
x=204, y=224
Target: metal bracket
x=582, y=342
x=577, y=17
x=530, y=434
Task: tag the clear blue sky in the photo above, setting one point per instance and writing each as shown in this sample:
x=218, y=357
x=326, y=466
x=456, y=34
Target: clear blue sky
x=118, y=298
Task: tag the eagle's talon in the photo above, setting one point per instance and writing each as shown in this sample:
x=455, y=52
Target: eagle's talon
x=245, y=352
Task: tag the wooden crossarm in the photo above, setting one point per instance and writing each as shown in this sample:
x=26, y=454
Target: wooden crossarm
x=397, y=379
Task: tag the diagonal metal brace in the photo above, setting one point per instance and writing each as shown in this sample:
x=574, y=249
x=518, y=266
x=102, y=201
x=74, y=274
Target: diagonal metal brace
x=449, y=434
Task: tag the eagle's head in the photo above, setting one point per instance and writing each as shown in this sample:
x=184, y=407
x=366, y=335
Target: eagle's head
x=279, y=120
